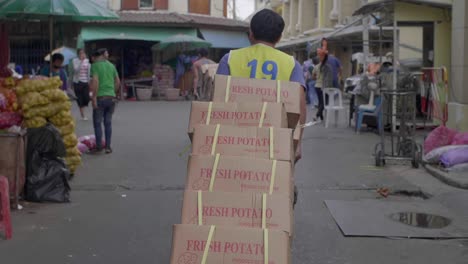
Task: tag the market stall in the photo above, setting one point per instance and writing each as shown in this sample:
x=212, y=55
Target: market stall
x=34, y=103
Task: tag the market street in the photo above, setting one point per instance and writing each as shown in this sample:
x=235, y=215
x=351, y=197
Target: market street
x=124, y=204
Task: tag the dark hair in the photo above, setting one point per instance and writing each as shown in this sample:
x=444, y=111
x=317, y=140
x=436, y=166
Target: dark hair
x=79, y=50
x=203, y=52
x=324, y=62
x=57, y=57
x=267, y=25
x=315, y=60
x=99, y=52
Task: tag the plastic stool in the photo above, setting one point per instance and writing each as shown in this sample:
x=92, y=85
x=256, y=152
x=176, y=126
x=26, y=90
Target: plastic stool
x=335, y=104
x=5, y=219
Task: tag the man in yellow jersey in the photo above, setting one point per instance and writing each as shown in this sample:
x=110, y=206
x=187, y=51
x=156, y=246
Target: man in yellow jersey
x=262, y=61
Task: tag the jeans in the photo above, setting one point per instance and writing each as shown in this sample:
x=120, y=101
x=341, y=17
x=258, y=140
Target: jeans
x=311, y=92
x=103, y=112
x=321, y=103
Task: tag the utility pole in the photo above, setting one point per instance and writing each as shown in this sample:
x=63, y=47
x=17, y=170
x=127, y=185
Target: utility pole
x=234, y=12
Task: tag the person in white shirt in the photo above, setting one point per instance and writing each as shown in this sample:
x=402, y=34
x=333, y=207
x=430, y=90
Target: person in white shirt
x=81, y=73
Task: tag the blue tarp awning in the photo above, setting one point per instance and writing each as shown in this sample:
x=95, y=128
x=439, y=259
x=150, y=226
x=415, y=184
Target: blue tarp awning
x=225, y=39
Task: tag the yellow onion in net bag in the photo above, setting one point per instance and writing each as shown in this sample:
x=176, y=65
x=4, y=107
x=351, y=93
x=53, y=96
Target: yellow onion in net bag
x=33, y=99
x=55, y=95
x=73, y=160
x=70, y=140
x=62, y=118
x=35, y=122
x=67, y=129
x=73, y=151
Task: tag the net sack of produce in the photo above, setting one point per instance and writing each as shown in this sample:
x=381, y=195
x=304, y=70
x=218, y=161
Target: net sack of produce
x=73, y=151
x=10, y=102
x=82, y=147
x=8, y=119
x=42, y=111
x=433, y=157
x=55, y=108
x=35, y=122
x=55, y=95
x=73, y=160
x=49, y=182
x=33, y=99
x=67, y=129
x=70, y=140
x=454, y=157
x=439, y=137
x=62, y=118
x=460, y=139
x=459, y=168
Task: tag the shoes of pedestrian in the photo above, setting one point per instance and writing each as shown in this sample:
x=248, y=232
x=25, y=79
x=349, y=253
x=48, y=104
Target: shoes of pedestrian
x=95, y=151
x=108, y=150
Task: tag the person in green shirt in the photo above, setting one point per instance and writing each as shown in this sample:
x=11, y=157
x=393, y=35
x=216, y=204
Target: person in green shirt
x=104, y=86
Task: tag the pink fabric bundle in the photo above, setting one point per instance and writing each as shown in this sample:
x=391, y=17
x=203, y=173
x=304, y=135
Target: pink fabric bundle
x=439, y=137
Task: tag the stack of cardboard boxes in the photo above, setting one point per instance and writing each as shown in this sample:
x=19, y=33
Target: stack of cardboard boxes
x=238, y=198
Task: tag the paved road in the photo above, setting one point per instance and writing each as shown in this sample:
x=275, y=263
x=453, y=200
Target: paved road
x=124, y=204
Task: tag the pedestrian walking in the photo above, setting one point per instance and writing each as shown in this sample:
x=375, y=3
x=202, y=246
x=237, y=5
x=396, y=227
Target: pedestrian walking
x=105, y=84
x=81, y=78
x=323, y=76
x=197, y=72
x=57, y=70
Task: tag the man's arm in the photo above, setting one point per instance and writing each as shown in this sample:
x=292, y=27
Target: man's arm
x=195, y=77
x=117, y=85
x=297, y=76
x=93, y=88
x=223, y=66
x=116, y=82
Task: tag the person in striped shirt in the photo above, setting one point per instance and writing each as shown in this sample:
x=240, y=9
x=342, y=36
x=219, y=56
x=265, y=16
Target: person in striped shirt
x=81, y=73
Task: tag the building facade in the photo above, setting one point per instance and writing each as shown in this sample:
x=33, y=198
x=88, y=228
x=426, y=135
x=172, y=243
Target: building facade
x=216, y=8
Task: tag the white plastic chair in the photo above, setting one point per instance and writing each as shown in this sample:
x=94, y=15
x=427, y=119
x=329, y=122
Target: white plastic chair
x=335, y=104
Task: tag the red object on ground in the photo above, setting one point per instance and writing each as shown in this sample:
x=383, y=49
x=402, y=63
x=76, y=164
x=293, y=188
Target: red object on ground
x=5, y=219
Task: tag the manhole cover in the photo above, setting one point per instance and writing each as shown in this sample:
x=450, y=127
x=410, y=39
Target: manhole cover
x=421, y=220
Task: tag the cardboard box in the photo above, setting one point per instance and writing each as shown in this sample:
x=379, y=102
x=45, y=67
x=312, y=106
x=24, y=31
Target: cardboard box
x=228, y=245
x=244, y=141
x=238, y=210
x=259, y=90
x=237, y=114
x=239, y=174
x=296, y=135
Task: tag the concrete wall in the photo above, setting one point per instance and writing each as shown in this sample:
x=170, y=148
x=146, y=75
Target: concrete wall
x=442, y=28
x=179, y=6
x=217, y=8
x=458, y=106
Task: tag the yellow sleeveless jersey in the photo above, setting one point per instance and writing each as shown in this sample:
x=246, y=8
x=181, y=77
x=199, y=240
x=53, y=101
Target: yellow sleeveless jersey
x=261, y=62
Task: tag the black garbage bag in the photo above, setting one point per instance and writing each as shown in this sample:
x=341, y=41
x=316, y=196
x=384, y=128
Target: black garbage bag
x=46, y=141
x=49, y=183
x=46, y=173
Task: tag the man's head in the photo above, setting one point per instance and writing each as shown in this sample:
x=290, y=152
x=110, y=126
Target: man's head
x=202, y=52
x=57, y=60
x=103, y=52
x=81, y=54
x=266, y=26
